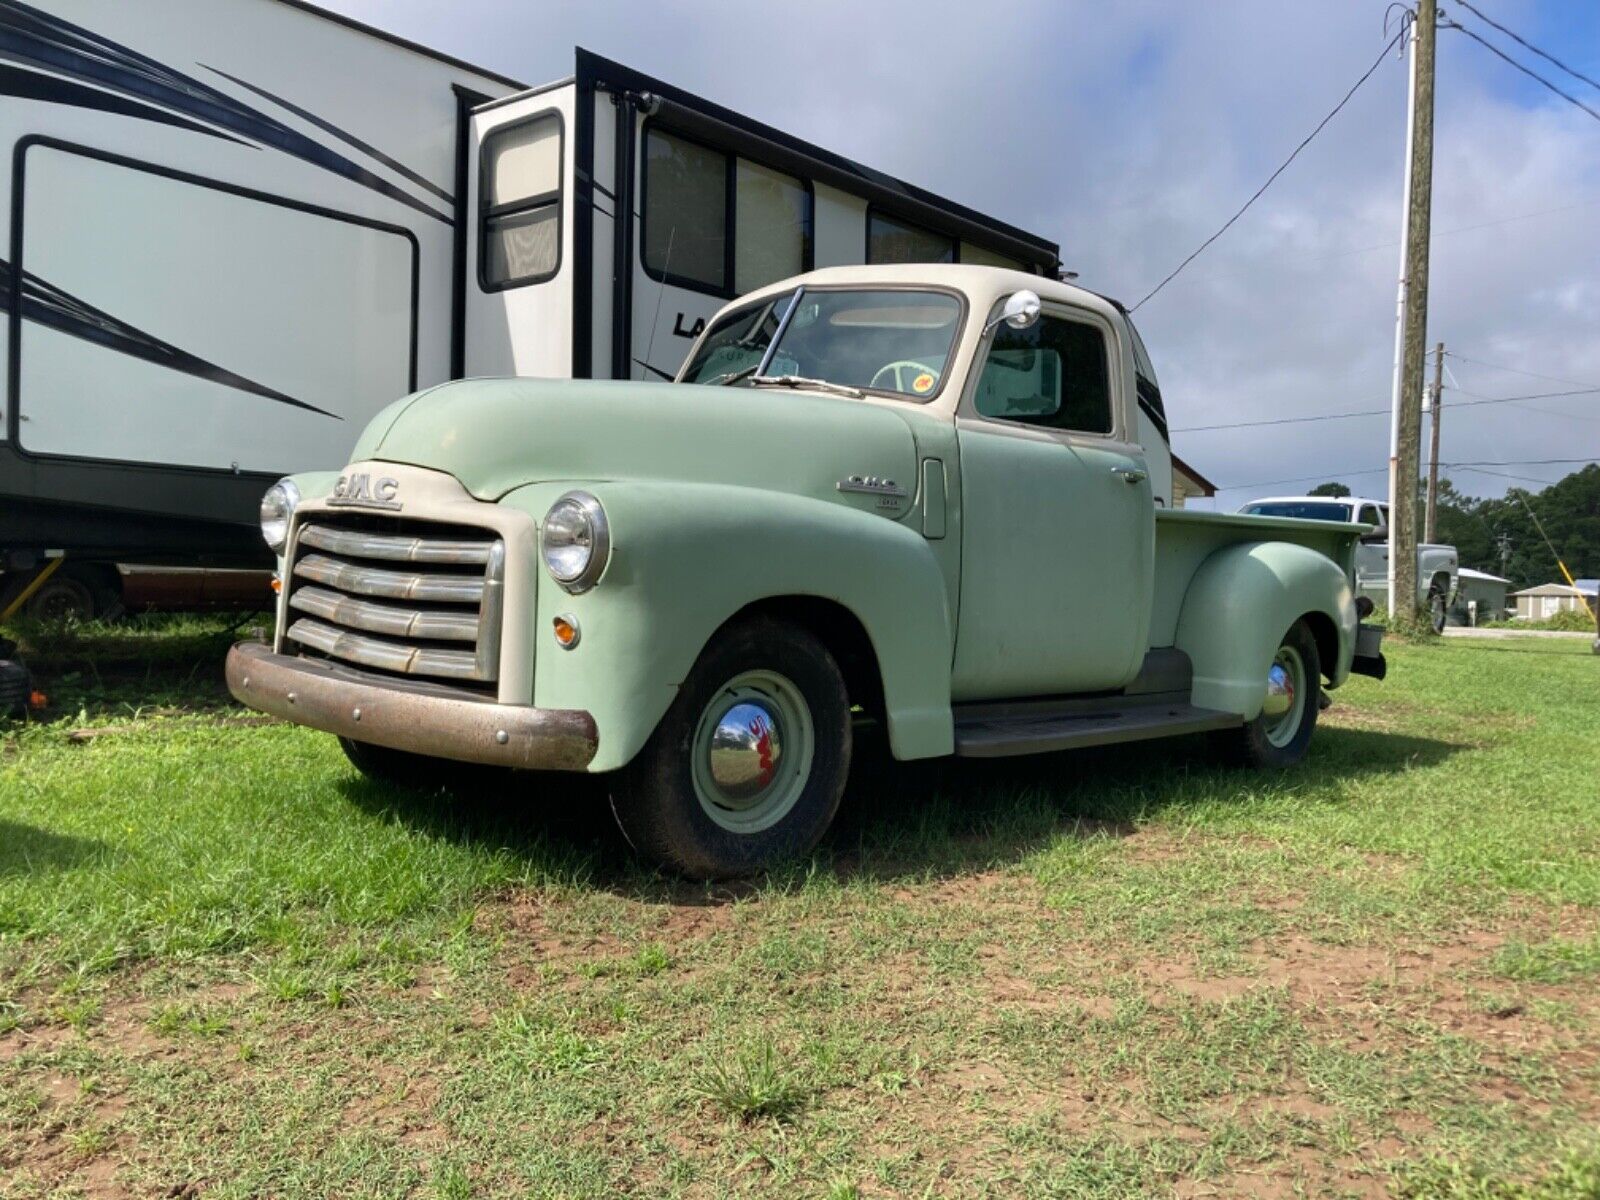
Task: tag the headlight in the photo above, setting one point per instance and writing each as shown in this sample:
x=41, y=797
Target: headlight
x=277, y=506
x=575, y=541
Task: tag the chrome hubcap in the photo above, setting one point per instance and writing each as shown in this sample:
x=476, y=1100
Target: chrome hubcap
x=1286, y=690
x=1280, y=691
x=752, y=751
x=746, y=748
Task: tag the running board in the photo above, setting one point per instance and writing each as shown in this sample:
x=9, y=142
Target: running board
x=997, y=730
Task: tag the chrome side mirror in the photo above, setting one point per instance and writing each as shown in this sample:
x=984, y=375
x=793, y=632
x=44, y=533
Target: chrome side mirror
x=1020, y=311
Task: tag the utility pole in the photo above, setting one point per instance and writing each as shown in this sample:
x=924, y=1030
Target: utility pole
x=1436, y=399
x=1406, y=430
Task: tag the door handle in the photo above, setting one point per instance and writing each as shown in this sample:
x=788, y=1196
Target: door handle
x=1130, y=475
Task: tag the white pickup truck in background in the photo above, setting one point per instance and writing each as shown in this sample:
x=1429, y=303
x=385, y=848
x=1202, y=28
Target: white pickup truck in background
x=1438, y=569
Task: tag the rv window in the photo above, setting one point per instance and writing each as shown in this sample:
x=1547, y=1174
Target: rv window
x=772, y=223
x=978, y=256
x=521, y=203
x=685, y=211
x=891, y=241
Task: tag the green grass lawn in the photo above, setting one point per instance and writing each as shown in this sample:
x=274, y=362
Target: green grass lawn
x=231, y=967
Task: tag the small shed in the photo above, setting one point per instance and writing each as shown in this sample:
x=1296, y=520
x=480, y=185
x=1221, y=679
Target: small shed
x=1546, y=600
x=1187, y=482
x=1480, y=597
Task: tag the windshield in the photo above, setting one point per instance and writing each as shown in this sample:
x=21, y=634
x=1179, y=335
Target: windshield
x=895, y=342
x=1306, y=510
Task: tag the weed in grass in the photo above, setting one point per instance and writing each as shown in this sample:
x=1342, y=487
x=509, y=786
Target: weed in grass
x=750, y=1084
x=1559, y=960
x=545, y=1044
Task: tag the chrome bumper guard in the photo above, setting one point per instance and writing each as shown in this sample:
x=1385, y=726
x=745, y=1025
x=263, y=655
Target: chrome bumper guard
x=1369, y=658
x=420, y=718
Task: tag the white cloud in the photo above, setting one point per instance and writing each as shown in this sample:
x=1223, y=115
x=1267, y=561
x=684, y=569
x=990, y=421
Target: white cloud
x=1128, y=133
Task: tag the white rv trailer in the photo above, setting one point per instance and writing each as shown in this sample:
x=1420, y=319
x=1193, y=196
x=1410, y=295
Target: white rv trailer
x=238, y=228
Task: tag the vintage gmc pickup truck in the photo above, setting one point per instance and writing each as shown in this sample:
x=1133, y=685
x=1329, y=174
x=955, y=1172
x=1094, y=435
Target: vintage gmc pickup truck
x=912, y=495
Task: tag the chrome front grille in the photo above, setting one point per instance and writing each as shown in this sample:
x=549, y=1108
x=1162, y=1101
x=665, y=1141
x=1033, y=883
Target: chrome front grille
x=439, y=614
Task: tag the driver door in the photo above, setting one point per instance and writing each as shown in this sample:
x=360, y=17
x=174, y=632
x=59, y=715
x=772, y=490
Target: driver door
x=1058, y=516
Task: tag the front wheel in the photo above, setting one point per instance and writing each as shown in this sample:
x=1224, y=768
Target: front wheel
x=1280, y=734
x=749, y=764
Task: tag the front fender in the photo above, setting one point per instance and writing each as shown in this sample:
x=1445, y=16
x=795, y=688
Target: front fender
x=1241, y=601
x=687, y=557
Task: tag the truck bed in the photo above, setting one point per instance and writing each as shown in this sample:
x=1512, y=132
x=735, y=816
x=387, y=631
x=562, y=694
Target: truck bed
x=1185, y=539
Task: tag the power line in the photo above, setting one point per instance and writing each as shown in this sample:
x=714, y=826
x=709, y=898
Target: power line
x=1531, y=74
x=1529, y=45
x=1525, y=462
x=1478, y=362
x=1516, y=478
x=1373, y=412
x=1281, y=168
x=1249, y=487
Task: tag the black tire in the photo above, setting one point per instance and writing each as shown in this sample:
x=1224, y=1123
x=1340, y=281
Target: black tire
x=74, y=592
x=402, y=768
x=1438, y=610
x=15, y=689
x=669, y=806
x=1267, y=742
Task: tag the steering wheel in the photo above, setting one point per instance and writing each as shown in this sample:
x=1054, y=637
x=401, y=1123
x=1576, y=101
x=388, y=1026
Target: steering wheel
x=898, y=371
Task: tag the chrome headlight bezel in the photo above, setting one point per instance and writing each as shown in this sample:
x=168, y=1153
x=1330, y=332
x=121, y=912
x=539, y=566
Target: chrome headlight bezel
x=575, y=520
x=277, y=511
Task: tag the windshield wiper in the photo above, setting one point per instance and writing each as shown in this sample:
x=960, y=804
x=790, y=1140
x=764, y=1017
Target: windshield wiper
x=802, y=381
x=731, y=377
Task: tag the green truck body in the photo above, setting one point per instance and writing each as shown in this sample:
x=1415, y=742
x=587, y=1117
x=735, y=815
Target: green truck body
x=981, y=582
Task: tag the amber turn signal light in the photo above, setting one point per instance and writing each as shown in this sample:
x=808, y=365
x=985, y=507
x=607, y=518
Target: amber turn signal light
x=566, y=631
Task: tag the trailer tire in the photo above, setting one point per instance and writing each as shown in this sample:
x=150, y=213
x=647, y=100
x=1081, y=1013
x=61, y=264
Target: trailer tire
x=15, y=688
x=1277, y=740
x=749, y=764
x=74, y=592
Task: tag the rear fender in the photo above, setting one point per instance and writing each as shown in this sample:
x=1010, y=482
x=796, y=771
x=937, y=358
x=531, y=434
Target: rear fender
x=1241, y=601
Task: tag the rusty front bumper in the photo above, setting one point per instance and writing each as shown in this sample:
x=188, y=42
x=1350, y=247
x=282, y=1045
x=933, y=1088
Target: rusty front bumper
x=417, y=717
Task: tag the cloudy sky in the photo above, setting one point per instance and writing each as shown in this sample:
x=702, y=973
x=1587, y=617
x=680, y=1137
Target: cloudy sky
x=1129, y=132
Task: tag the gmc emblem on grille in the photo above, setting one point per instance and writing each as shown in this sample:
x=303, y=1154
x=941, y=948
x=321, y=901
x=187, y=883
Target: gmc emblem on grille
x=362, y=491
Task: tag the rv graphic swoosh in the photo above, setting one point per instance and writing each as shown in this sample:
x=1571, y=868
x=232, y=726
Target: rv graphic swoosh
x=39, y=39
x=349, y=139
x=52, y=89
x=47, y=305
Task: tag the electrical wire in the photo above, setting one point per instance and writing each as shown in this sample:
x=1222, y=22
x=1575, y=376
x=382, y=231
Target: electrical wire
x=1281, y=169
x=1528, y=45
x=1478, y=362
x=1530, y=73
x=1373, y=412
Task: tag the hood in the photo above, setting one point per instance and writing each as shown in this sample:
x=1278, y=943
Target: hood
x=495, y=435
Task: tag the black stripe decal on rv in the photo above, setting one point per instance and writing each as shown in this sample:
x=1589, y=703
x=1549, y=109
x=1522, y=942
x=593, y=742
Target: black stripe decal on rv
x=47, y=305
x=52, y=89
x=38, y=39
x=349, y=139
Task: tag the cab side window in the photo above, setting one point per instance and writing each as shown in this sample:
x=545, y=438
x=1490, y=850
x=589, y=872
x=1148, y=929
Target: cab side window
x=1369, y=515
x=1054, y=374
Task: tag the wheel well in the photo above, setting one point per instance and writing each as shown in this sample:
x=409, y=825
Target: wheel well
x=1326, y=634
x=841, y=631
x=1441, y=580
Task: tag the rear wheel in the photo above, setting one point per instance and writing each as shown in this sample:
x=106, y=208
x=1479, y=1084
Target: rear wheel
x=1280, y=734
x=748, y=766
x=1436, y=606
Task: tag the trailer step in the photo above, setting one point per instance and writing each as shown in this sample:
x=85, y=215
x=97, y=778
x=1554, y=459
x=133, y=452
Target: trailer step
x=998, y=730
